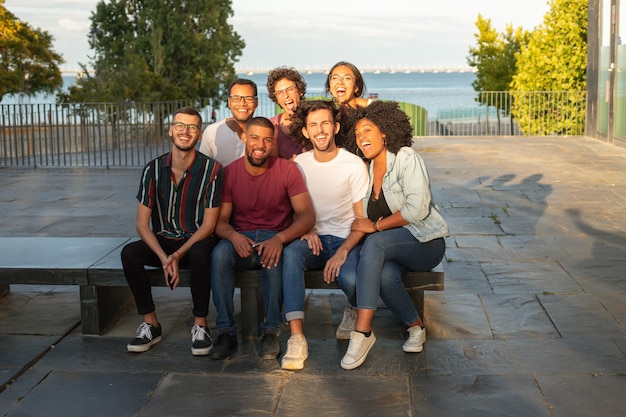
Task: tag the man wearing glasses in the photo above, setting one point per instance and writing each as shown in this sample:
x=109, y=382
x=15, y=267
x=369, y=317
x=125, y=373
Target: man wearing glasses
x=222, y=140
x=179, y=200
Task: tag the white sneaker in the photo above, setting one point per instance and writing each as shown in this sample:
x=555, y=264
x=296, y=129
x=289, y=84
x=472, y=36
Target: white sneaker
x=416, y=339
x=348, y=323
x=297, y=353
x=358, y=349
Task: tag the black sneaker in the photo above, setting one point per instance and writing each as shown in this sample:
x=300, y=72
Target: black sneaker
x=270, y=346
x=147, y=335
x=225, y=344
x=201, y=342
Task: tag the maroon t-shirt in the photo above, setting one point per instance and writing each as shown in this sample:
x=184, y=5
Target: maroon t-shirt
x=262, y=202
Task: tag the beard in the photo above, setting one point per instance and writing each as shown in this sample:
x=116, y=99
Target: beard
x=257, y=162
x=184, y=148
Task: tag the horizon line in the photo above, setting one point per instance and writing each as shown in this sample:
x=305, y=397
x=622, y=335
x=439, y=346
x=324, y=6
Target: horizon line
x=309, y=70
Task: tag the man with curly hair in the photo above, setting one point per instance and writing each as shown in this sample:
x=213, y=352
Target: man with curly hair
x=286, y=87
x=337, y=181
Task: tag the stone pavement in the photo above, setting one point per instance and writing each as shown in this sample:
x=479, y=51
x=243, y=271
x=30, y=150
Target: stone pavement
x=532, y=321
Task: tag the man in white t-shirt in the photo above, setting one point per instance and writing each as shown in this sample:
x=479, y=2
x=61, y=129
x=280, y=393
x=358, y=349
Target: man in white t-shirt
x=337, y=181
x=222, y=140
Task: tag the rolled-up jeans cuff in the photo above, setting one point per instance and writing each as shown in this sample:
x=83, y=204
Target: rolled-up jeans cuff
x=295, y=315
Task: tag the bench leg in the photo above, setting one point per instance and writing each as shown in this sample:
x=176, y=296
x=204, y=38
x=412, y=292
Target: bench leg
x=417, y=296
x=251, y=311
x=5, y=289
x=102, y=306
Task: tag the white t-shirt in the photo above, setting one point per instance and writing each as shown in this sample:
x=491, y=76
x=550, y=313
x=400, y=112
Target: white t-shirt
x=221, y=143
x=334, y=187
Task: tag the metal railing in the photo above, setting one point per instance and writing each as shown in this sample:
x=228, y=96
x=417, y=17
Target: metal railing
x=131, y=134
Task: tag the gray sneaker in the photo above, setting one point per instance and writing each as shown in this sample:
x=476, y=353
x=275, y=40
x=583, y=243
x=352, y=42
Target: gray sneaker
x=348, y=323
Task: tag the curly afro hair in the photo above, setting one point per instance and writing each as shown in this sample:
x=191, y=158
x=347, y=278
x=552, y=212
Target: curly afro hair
x=298, y=120
x=289, y=73
x=387, y=116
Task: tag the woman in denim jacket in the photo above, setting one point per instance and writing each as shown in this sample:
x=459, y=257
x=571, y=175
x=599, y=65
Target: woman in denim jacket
x=405, y=230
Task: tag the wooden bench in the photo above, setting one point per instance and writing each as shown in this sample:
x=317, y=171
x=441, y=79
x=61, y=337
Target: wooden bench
x=94, y=265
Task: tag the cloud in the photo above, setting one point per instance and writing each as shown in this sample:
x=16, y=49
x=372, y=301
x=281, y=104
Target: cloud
x=72, y=25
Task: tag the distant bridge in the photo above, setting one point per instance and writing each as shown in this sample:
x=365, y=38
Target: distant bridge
x=373, y=70
x=308, y=70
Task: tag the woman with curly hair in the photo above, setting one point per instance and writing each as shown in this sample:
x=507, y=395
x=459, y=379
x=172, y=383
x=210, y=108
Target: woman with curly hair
x=405, y=230
x=286, y=87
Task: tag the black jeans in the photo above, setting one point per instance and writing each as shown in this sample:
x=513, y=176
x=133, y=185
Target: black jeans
x=136, y=255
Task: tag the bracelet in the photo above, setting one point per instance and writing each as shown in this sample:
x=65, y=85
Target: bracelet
x=179, y=255
x=376, y=226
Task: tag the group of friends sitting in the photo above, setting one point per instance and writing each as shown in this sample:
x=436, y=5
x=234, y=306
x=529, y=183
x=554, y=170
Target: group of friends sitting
x=331, y=185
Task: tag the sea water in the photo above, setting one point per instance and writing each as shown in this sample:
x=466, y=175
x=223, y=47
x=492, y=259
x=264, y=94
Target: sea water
x=444, y=95
x=375, y=84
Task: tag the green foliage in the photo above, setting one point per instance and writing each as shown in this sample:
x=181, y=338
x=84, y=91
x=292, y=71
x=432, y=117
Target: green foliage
x=494, y=58
x=28, y=63
x=159, y=50
x=555, y=60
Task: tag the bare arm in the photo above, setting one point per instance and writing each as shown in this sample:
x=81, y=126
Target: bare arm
x=241, y=243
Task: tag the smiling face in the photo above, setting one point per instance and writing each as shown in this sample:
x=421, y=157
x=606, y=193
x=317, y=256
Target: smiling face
x=259, y=143
x=185, y=139
x=287, y=95
x=341, y=82
x=244, y=108
x=320, y=129
x=369, y=138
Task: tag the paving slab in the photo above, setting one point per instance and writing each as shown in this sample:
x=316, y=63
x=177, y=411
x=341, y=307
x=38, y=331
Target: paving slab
x=478, y=396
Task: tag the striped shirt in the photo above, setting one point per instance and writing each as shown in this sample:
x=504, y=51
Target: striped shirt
x=178, y=209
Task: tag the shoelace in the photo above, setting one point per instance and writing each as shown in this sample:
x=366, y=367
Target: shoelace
x=294, y=344
x=355, y=346
x=198, y=333
x=144, y=331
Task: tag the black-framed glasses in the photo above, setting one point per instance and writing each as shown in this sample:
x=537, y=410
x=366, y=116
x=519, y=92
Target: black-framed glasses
x=180, y=126
x=285, y=91
x=247, y=99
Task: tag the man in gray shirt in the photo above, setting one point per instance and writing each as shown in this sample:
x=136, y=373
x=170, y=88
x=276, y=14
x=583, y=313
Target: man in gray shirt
x=222, y=140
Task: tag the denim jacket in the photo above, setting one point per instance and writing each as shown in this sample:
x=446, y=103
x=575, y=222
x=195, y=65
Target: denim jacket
x=407, y=189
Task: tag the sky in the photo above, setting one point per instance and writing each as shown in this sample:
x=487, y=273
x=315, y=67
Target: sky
x=316, y=34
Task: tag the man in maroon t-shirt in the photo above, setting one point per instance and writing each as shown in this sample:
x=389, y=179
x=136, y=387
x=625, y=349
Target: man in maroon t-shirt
x=265, y=205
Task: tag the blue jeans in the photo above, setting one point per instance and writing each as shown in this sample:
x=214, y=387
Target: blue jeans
x=224, y=263
x=298, y=258
x=383, y=258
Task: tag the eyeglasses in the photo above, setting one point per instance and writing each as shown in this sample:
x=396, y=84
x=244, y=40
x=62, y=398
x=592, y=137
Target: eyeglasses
x=346, y=79
x=180, y=126
x=247, y=99
x=285, y=91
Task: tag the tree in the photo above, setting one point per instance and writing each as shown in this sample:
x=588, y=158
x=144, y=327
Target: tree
x=28, y=63
x=494, y=58
x=555, y=60
x=159, y=50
